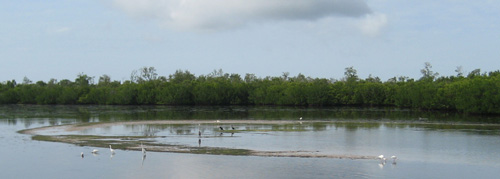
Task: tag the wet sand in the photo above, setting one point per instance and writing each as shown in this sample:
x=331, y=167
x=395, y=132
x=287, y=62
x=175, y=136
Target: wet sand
x=125, y=144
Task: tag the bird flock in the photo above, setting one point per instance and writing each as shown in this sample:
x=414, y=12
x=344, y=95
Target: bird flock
x=112, y=151
x=383, y=160
x=95, y=152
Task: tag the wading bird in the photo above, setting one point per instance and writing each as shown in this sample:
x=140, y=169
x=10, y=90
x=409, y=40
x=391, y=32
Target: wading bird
x=232, y=127
x=81, y=154
x=394, y=159
x=111, y=150
x=143, y=150
x=220, y=127
x=382, y=158
x=95, y=151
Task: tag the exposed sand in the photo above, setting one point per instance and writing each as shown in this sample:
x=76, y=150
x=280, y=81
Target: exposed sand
x=127, y=145
x=183, y=149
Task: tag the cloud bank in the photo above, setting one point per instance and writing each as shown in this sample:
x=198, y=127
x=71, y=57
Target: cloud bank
x=223, y=14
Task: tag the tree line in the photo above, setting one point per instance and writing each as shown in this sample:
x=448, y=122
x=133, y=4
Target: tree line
x=473, y=93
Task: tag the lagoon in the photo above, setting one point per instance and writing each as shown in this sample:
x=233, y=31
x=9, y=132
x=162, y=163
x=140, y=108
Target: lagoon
x=428, y=144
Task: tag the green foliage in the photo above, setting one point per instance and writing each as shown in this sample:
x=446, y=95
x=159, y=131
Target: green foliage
x=474, y=93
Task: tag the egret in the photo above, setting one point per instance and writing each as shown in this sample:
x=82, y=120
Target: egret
x=382, y=158
x=111, y=150
x=300, y=118
x=394, y=159
x=143, y=150
x=95, y=151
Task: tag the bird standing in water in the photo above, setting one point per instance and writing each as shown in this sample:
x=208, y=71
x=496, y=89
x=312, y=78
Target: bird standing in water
x=111, y=150
x=394, y=159
x=143, y=150
x=382, y=158
x=81, y=154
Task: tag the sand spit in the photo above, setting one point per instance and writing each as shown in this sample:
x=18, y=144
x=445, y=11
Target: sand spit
x=134, y=142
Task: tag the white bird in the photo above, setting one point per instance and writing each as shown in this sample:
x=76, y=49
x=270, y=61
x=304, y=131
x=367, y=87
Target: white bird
x=143, y=150
x=95, y=151
x=111, y=150
x=300, y=118
x=382, y=158
x=394, y=158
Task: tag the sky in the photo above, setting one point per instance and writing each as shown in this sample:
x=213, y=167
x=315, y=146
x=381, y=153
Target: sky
x=60, y=39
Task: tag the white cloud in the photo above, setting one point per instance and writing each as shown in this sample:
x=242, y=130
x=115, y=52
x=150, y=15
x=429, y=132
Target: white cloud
x=372, y=24
x=221, y=14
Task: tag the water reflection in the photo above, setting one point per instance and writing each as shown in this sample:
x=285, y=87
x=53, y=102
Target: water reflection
x=127, y=113
x=458, y=151
x=143, y=159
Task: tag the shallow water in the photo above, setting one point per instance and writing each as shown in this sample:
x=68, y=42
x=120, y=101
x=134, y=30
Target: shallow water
x=424, y=151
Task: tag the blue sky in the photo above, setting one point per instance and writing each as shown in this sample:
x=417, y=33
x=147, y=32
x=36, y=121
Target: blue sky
x=60, y=39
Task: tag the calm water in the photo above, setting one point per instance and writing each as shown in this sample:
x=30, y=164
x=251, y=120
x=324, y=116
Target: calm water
x=446, y=150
